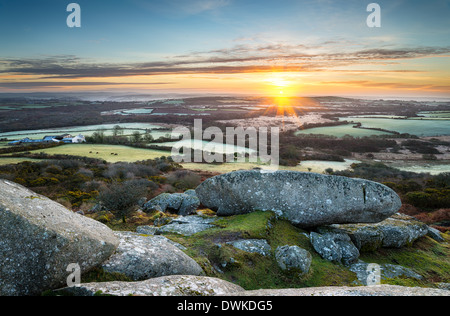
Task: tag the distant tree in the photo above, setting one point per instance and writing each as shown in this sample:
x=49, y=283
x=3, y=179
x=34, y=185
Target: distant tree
x=98, y=137
x=117, y=131
x=148, y=138
x=136, y=137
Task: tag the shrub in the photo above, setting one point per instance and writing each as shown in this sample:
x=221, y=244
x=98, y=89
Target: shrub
x=430, y=198
x=122, y=197
x=184, y=179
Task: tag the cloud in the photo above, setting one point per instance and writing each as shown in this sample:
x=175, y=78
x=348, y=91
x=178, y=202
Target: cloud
x=248, y=58
x=52, y=84
x=389, y=85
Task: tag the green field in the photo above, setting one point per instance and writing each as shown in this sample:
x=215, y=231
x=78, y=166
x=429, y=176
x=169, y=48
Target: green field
x=416, y=126
x=104, y=152
x=305, y=166
x=341, y=131
x=130, y=154
x=436, y=114
x=435, y=124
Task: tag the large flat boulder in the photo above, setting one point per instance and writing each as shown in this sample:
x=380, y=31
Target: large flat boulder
x=305, y=199
x=183, y=285
x=40, y=238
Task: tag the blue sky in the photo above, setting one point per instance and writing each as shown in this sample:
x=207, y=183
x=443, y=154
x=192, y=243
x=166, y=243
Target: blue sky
x=124, y=32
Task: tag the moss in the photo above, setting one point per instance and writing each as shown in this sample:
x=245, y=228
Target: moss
x=426, y=257
x=253, y=271
x=100, y=275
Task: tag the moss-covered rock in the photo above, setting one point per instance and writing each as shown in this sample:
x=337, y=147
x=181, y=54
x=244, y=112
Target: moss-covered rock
x=395, y=232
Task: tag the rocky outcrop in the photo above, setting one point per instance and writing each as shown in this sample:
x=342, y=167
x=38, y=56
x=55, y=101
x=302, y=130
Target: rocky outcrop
x=305, y=199
x=40, y=239
x=395, y=232
x=180, y=203
x=378, y=290
x=291, y=258
x=163, y=286
x=144, y=257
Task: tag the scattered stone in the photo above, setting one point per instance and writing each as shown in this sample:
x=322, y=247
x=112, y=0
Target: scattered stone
x=180, y=203
x=97, y=208
x=435, y=234
x=260, y=246
x=40, y=239
x=189, y=205
x=443, y=286
x=187, y=225
x=191, y=193
x=141, y=258
x=163, y=286
x=305, y=199
x=378, y=290
x=335, y=247
x=293, y=258
x=146, y=230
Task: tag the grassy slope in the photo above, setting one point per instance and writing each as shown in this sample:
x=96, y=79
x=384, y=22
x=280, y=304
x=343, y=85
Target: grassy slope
x=253, y=271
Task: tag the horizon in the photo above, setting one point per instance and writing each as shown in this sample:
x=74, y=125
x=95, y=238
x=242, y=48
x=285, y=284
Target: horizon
x=227, y=47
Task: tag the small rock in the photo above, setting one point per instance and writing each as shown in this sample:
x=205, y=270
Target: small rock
x=146, y=230
x=187, y=225
x=435, y=234
x=443, y=286
x=260, y=246
x=180, y=203
x=191, y=193
x=335, y=247
x=189, y=205
x=293, y=257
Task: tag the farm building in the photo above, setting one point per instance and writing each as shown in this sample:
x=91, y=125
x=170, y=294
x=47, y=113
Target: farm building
x=68, y=139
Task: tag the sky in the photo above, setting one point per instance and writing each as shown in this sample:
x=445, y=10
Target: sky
x=264, y=47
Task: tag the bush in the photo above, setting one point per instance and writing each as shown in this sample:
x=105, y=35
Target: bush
x=122, y=197
x=124, y=171
x=184, y=179
x=430, y=198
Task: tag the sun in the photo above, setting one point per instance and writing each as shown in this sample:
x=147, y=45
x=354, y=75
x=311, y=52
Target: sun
x=281, y=84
